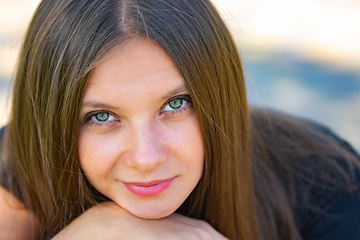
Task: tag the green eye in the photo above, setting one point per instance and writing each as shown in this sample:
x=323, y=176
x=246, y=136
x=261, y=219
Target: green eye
x=176, y=103
x=102, y=116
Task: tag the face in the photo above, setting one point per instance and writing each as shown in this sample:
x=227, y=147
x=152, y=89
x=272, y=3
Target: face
x=139, y=138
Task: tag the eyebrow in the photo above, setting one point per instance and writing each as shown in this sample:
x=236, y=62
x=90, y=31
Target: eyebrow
x=177, y=90
x=91, y=104
x=97, y=105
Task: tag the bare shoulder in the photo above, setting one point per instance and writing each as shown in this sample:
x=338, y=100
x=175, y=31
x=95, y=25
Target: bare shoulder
x=16, y=222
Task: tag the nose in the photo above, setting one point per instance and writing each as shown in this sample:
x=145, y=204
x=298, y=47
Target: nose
x=146, y=148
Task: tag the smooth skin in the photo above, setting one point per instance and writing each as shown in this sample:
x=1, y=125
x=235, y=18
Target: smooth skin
x=138, y=125
x=16, y=222
x=109, y=221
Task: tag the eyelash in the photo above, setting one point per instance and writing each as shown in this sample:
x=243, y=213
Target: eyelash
x=88, y=118
x=180, y=110
x=184, y=107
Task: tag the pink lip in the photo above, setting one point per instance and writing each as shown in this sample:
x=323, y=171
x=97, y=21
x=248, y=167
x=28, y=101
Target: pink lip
x=148, y=189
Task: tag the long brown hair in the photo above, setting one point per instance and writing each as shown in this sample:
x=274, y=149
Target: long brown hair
x=63, y=44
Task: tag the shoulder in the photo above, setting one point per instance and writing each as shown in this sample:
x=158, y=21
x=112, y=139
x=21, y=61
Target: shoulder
x=16, y=222
x=318, y=170
x=279, y=132
x=312, y=152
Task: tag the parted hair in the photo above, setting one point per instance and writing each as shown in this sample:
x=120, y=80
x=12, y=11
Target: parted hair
x=239, y=193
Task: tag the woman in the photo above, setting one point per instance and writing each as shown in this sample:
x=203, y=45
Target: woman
x=125, y=112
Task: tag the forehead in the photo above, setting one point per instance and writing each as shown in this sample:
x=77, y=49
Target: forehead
x=138, y=53
x=138, y=68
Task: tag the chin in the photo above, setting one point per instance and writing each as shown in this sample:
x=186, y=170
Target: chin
x=152, y=214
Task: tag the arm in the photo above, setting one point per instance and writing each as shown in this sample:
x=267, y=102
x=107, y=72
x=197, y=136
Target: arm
x=109, y=221
x=16, y=222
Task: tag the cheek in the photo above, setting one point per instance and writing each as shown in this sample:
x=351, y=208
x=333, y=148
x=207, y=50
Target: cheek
x=95, y=155
x=193, y=155
x=197, y=148
x=187, y=142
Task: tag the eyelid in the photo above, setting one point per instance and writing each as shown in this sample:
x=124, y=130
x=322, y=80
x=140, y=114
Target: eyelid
x=89, y=115
x=183, y=96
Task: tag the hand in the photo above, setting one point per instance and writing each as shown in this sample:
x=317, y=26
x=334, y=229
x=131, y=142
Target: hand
x=110, y=221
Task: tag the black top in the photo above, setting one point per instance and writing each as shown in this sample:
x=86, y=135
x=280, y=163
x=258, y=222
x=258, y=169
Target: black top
x=334, y=215
x=335, y=212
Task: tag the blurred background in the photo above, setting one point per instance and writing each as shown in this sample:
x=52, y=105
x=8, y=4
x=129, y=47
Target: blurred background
x=300, y=56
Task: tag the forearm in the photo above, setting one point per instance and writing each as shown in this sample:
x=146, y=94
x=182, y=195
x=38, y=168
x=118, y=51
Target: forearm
x=109, y=221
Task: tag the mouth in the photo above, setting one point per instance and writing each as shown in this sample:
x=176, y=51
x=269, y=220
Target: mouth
x=148, y=189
